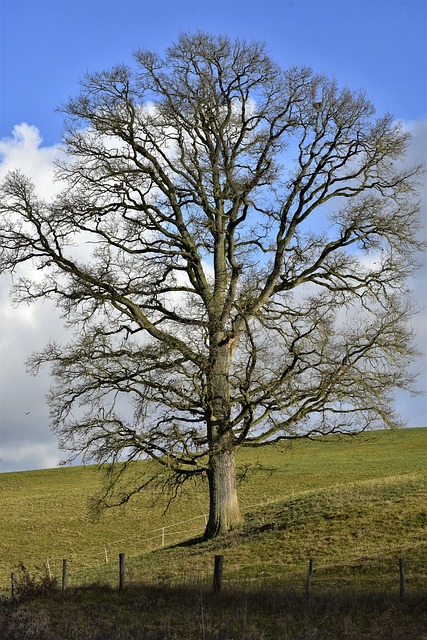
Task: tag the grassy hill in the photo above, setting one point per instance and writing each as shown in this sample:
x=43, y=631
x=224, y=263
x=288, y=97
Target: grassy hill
x=353, y=505
x=334, y=500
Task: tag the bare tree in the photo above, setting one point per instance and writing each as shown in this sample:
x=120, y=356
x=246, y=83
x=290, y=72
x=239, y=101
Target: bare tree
x=231, y=250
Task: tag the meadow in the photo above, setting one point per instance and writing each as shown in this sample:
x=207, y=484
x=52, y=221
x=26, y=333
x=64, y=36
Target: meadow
x=355, y=506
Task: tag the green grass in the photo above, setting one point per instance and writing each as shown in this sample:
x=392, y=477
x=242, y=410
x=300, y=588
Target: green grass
x=337, y=501
x=354, y=506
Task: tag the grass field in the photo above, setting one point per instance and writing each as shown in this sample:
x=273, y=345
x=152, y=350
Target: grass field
x=335, y=501
x=354, y=506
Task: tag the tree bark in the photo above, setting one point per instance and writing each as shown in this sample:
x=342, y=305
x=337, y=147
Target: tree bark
x=224, y=511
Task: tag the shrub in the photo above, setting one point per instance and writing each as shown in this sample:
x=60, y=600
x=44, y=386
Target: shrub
x=21, y=624
x=29, y=585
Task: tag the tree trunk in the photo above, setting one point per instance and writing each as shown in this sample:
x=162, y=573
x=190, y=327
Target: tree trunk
x=224, y=512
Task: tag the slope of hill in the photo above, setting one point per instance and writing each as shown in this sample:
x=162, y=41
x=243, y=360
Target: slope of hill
x=353, y=507
x=335, y=500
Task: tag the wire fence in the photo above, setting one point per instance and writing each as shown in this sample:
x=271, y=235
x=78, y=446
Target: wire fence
x=98, y=563
x=381, y=575
x=101, y=554
x=93, y=555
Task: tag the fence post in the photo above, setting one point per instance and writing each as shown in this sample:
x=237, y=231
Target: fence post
x=106, y=554
x=218, y=571
x=13, y=584
x=64, y=575
x=402, y=578
x=309, y=577
x=121, y=571
x=163, y=536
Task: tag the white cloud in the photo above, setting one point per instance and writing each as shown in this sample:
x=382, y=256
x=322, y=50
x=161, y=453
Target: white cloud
x=25, y=439
x=24, y=151
x=29, y=455
x=417, y=154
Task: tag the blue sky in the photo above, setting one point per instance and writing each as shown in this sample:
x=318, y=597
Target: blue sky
x=46, y=47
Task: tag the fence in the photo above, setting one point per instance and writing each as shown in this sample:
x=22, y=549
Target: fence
x=97, y=564
x=90, y=556
x=218, y=573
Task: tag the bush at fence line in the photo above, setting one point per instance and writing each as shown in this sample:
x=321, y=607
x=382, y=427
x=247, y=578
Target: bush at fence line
x=28, y=585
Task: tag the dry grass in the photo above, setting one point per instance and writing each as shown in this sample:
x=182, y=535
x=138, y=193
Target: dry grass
x=162, y=613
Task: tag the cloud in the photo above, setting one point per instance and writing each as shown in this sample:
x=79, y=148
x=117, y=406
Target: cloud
x=25, y=439
x=24, y=151
x=417, y=154
x=416, y=408
x=30, y=455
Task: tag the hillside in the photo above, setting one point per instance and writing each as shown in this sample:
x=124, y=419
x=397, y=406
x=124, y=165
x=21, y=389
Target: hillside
x=338, y=501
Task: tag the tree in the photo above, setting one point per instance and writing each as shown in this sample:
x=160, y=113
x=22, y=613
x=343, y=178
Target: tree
x=231, y=248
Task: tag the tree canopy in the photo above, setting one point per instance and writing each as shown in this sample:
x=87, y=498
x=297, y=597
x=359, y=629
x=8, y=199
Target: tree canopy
x=231, y=249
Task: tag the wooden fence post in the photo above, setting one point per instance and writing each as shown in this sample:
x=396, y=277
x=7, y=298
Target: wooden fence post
x=402, y=578
x=13, y=584
x=64, y=575
x=121, y=571
x=218, y=571
x=309, y=577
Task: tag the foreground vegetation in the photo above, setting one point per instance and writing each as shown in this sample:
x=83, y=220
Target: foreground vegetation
x=354, y=507
x=172, y=613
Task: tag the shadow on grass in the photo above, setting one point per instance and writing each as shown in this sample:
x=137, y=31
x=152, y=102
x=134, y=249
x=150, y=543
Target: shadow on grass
x=191, y=542
x=142, y=612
